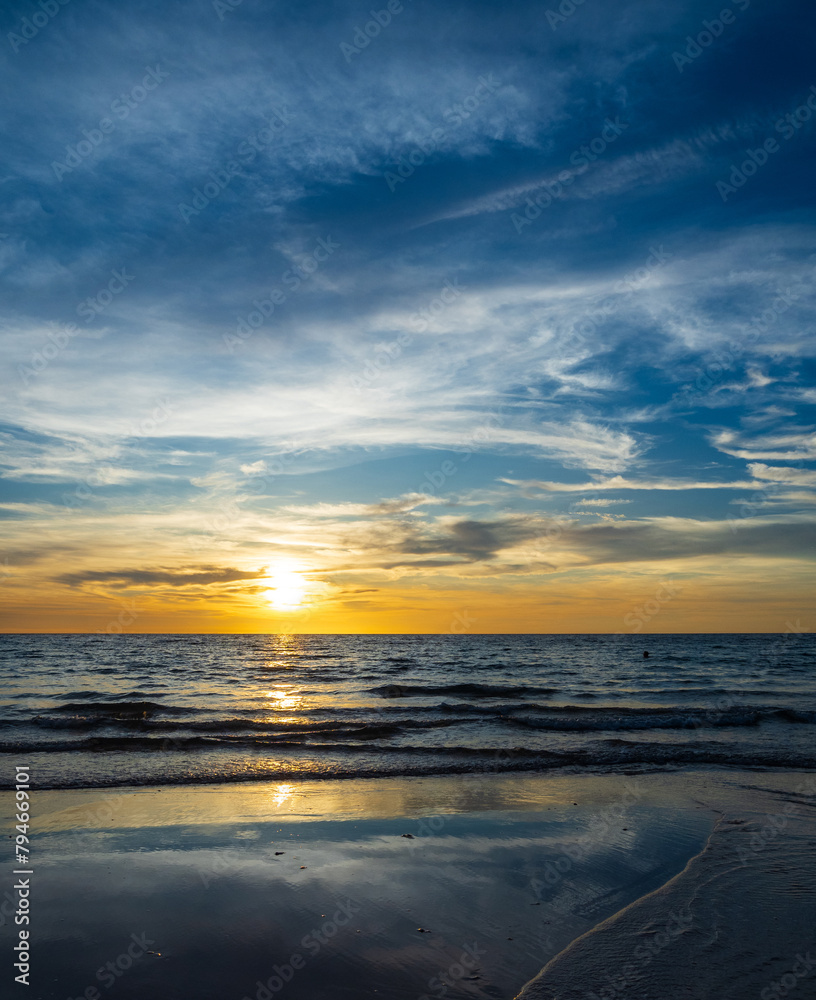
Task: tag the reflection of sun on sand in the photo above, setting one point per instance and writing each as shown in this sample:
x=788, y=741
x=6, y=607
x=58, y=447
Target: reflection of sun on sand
x=502, y=874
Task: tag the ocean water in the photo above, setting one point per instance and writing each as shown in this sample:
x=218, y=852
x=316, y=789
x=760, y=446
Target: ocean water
x=95, y=711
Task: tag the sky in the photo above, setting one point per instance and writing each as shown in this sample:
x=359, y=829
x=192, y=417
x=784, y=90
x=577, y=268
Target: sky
x=420, y=317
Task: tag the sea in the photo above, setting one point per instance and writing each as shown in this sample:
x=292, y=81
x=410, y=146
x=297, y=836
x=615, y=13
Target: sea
x=91, y=711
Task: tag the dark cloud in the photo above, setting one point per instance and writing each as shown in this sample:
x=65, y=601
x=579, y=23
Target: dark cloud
x=646, y=542
x=604, y=543
x=171, y=578
x=473, y=541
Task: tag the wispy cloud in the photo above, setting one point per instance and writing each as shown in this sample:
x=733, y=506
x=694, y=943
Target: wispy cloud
x=172, y=578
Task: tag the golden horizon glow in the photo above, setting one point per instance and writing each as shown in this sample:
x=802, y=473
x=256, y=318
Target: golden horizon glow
x=335, y=580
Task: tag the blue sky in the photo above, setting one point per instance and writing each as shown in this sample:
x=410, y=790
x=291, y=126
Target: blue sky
x=390, y=315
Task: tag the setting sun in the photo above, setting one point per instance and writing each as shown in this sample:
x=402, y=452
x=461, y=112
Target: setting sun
x=288, y=590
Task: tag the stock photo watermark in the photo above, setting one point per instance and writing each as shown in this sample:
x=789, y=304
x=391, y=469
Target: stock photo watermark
x=126, y=617
x=435, y=479
x=407, y=165
x=775, y=824
x=565, y=11
x=245, y=154
x=658, y=257
x=365, y=34
x=641, y=615
x=313, y=943
x=94, y=137
x=801, y=968
x=20, y=901
x=763, y=498
x=260, y=477
x=580, y=160
x=735, y=351
x=787, y=126
x=446, y=979
x=83, y=492
x=712, y=30
x=591, y=322
x=599, y=828
x=293, y=277
x=385, y=355
x=222, y=7
x=87, y=310
x=94, y=814
x=115, y=968
x=31, y=26
x=718, y=712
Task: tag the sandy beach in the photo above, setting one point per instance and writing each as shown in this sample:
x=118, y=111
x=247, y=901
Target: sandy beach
x=423, y=887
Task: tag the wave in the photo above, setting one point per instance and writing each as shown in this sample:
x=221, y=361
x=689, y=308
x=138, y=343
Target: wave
x=122, y=708
x=152, y=717
x=466, y=689
x=576, y=719
x=98, y=697
x=146, y=723
x=374, y=739
x=178, y=744
x=620, y=758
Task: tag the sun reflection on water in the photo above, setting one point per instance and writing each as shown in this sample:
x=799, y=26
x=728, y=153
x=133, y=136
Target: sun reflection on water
x=281, y=700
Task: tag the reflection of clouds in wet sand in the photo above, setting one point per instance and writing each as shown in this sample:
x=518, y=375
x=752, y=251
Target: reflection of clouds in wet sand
x=235, y=883
x=736, y=920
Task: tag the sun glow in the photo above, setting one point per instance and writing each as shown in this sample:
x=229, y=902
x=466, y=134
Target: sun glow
x=288, y=590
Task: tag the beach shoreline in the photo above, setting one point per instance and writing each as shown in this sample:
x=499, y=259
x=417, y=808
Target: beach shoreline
x=406, y=887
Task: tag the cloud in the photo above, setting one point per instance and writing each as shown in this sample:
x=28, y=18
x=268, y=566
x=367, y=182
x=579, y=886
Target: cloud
x=681, y=539
x=601, y=502
x=172, y=578
x=790, y=445
x=534, y=487
x=780, y=474
x=385, y=508
x=258, y=468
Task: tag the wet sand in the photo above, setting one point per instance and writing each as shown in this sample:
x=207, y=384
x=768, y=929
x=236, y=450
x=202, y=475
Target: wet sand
x=738, y=921
x=313, y=890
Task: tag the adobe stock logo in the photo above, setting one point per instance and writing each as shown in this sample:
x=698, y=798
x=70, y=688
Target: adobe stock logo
x=712, y=30
x=580, y=159
x=371, y=29
x=121, y=107
x=453, y=117
x=30, y=27
x=565, y=11
x=787, y=126
x=221, y=8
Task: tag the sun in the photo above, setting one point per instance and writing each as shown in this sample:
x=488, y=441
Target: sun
x=288, y=590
